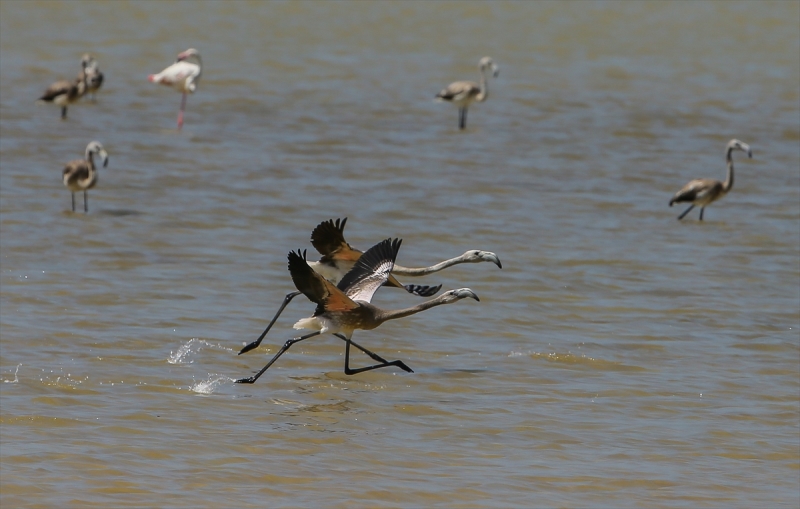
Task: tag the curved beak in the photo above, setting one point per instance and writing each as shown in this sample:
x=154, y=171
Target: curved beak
x=749, y=153
x=494, y=259
x=104, y=155
x=495, y=71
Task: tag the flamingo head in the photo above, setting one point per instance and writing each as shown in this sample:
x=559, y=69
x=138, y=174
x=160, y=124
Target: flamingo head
x=735, y=144
x=191, y=52
x=487, y=63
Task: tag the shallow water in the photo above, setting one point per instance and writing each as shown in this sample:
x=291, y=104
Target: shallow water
x=619, y=359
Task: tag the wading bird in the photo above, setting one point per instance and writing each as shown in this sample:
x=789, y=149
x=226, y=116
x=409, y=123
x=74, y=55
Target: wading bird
x=339, y=257
x=703, y=192
x=91, y=74
x=81, y=174
x=345, y=308
x=182, y=75
x=463, y=93
x=63, y=92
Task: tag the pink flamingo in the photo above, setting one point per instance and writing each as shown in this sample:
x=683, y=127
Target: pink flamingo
x=182, y=75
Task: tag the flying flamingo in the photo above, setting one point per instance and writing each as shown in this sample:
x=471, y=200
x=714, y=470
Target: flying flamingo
x=463, y=93
x=339, y=257
x=182, y=75
x=345, y=308
x=703, y=192
x=81, y=174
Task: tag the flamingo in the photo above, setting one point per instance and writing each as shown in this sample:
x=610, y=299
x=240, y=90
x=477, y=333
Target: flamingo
x=91, y=74
x=703, y=192
x=63, y=92
x=81, y=174
x=463, y=93
x=339, y=257
x=182, y=75
x=344, y=308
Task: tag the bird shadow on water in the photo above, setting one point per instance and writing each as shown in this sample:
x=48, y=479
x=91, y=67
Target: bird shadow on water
x=119, y=212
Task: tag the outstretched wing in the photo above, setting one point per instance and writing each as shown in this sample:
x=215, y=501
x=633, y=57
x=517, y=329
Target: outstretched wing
x=370, y=271
x=328, y=239
x=318, y=289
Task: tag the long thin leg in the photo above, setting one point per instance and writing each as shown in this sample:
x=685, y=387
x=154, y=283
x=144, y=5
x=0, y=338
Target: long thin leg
x=686, y=212
x=285, y=347
x=85, y=202
x=180, y=113
x=701, y=213
x=348, y=371
x=73, y=201
x=373, y=355
x=462, y=118
x=63, y=112
x=257, y=342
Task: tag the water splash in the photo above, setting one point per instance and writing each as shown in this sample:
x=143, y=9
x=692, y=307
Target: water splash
x=16, y=378
x=192, y=347
x=210, y=385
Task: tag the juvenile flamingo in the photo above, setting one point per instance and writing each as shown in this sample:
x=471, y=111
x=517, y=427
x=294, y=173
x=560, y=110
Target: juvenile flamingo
x=182, y=75
x=91, y=74
x=345, y=308
x=463, y=93
x=339, y=257
x=703, y=192
x=81, y=174
x=63, y=92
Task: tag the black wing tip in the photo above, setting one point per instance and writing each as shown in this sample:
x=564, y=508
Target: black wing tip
x=423, y=290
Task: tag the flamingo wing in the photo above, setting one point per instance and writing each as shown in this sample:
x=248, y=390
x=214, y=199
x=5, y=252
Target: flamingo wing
x=328, y=239
x=459, y=91
x=370, y=271
x=318, y=289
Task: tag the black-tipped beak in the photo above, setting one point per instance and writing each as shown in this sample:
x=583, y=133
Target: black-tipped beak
x=476, y=297
x=105, y=162
x=500, y=265
x=750, y=154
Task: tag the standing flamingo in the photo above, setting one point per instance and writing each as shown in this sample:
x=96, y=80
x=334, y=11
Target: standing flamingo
x=63, y=92
x=339, y=257
x=703, y=192
x=463, y=93
x=81, y=174
x=182, y=75
x=345, y=308
x=91, y=74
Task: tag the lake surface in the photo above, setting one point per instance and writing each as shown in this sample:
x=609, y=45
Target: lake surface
x=620, y=358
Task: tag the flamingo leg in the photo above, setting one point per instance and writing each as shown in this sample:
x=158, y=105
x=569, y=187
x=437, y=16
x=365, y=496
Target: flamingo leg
x=701, y=213
x=180, y=113
x=285, y=347
x=257, y=342
x=383, y=363
x=85, y=202
x=462, y=118
x=73, y=201
x=63, y=112
x=687, y=211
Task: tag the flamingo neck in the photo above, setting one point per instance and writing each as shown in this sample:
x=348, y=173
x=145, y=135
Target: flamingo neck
x=424, y=271
x=728, y=184
x=392, y=314
x=484, y=93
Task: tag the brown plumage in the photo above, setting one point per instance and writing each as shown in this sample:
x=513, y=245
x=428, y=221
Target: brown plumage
x=81, y=174
x=703, y=192
x=339, y=257
x=344, y=308
x=463, y=93
x=63, y=93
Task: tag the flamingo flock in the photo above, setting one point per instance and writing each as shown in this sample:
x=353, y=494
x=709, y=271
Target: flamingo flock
x=343, y=281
